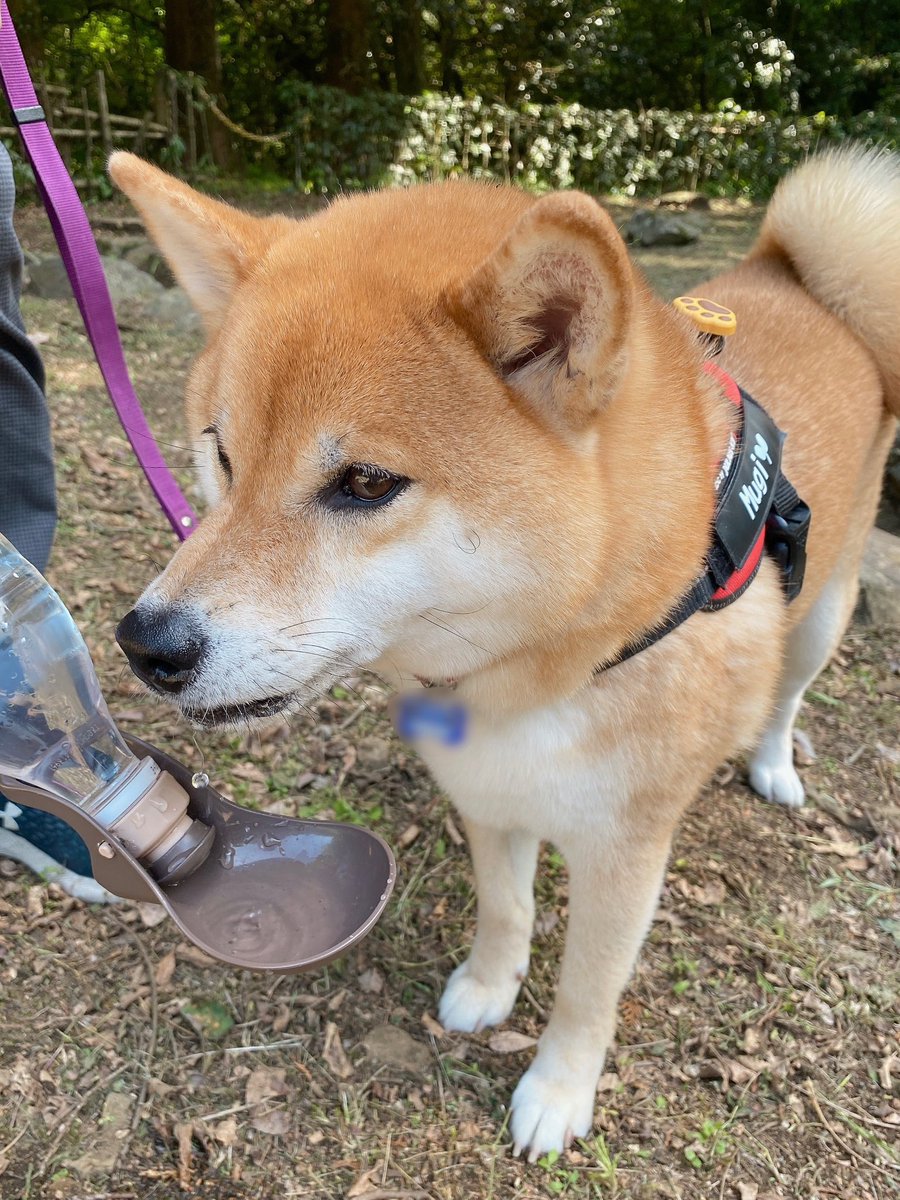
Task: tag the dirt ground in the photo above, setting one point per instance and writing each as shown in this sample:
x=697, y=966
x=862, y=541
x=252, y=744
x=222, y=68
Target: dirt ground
x=756, y=1053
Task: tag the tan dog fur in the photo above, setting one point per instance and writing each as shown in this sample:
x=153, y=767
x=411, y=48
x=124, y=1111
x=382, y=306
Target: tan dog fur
x=503, y=353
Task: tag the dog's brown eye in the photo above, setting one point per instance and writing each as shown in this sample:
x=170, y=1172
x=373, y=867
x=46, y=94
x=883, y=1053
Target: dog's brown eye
x=365, y=484
x=362, y=486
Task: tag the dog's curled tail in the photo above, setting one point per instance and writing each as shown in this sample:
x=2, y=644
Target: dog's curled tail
x=837, y=218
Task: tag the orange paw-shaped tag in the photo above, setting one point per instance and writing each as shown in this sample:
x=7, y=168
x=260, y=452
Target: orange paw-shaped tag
x=708, y=316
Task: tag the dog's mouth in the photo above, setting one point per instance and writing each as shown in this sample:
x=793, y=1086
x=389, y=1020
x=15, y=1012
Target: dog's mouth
x=241, y=714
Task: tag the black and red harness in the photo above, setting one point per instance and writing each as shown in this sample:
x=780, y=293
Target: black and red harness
x=757, y=510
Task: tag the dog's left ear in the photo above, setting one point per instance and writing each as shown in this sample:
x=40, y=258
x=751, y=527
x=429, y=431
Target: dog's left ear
x=551, y=308
x=211, y=247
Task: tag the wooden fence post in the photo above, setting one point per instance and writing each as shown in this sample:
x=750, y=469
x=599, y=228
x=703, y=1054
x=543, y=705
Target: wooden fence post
x=160, y=100
x=191, y=116
x=298, y=157
x=103, y=109
x=205, y=138
x=172, y=88
x=88, y=144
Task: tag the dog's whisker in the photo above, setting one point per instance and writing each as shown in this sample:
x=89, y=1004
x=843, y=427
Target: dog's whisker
x=462, y=637
x=470, y=612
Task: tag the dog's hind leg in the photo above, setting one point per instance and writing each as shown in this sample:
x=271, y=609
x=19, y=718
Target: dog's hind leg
x=810, y=645
x=483, y=989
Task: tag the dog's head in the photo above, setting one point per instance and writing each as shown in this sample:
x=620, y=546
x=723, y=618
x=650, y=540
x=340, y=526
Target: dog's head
x=427, y=424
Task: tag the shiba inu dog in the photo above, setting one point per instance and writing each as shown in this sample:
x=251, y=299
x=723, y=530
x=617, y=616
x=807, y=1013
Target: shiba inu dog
x=450, y=435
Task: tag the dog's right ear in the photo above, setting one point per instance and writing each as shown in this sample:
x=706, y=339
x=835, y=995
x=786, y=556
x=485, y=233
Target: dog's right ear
x=552, y=308
x=210, y=246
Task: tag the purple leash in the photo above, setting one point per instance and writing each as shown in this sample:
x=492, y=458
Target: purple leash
x=82, y=261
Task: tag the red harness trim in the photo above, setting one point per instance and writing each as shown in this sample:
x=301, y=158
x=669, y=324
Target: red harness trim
x=739, y=578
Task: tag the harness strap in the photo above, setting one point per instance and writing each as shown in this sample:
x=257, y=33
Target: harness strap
x=780, y=517
x=85, y=270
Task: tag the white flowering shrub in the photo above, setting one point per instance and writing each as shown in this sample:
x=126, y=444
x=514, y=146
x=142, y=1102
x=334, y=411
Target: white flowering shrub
x=345, y=142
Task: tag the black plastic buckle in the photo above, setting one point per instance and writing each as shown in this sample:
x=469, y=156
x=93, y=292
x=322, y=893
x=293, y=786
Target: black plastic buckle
x=786, y=541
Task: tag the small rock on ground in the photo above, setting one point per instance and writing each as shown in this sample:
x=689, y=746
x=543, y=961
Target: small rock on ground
x=660, y=227
x=47, y=278
x=171, y=307
x=879, y=580
x=374, y=751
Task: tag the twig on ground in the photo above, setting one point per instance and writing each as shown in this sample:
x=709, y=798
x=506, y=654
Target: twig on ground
x=854, y=1154
x=354, y=716
x=396, y=1194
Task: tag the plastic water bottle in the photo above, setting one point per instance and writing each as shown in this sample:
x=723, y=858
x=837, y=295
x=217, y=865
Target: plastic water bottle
x=57, y=735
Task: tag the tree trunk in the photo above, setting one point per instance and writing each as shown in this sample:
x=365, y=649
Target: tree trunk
x=409, y=65
x=31, y=31
x=191, y=44
x=346, y=44
x=448, y=44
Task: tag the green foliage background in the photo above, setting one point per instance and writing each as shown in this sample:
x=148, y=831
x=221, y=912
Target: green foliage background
x=634, y=94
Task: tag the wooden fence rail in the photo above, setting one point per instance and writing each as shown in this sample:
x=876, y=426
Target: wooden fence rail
x=180, y=124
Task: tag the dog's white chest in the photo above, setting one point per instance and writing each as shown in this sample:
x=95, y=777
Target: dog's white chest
x=541, y=771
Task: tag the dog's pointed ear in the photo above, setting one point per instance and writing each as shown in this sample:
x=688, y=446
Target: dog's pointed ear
x=210, y=246
x=551, y=308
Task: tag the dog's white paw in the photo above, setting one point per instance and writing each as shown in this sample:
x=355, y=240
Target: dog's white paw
x=549, y=1112
x=776, y=781
x=469, y=1004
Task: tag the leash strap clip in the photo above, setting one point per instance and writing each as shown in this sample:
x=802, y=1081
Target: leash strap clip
x=29, y=114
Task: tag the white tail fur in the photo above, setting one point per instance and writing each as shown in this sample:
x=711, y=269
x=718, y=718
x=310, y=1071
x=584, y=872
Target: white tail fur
x=838, y=220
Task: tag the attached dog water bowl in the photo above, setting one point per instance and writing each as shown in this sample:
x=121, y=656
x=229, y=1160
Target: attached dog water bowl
x=275, y=893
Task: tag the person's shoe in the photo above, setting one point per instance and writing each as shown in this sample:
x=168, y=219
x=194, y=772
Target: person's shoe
x=47, y=846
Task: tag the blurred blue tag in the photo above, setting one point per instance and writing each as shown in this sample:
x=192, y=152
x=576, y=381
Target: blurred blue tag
x=434, y=713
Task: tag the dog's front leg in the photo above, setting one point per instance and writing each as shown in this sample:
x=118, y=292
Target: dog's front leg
x=613, y=889
x=483, y=989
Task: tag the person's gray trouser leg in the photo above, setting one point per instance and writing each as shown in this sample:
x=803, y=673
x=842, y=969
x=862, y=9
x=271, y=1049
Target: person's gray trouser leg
x=27, y=484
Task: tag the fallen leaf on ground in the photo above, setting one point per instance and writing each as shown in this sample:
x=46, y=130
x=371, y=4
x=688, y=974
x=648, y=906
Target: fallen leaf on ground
x=183, y=1135
x=372, y=981
x=265, y=1082
x=105, y=1145
x=151, y=914
x=435, y=1028
x=193, y=954
x=363, y=1184
x=225, y=1132
x=93, y=461
x=209, y=1018
x=165, y=969
x=282, y=1019
x=277, y=1123
x=510, y=1041
x=334, y=1053
x=835, y=846
x=393, y=1046
x=408, y=836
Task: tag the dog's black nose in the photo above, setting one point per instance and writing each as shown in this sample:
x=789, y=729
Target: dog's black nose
x=164, y=646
